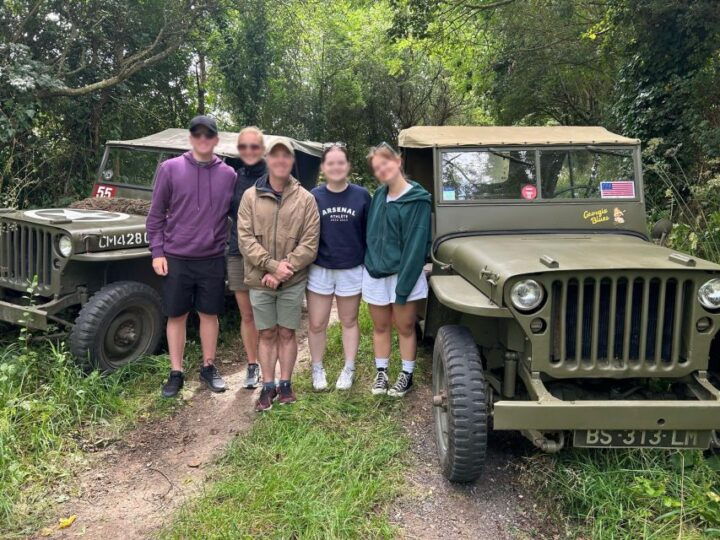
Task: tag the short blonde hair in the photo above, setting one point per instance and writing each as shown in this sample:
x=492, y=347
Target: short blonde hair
x=254, y=130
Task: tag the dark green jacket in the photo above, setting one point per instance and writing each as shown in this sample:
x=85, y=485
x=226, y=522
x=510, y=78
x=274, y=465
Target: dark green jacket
x=398, y=237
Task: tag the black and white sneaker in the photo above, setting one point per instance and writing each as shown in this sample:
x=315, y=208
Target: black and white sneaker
x=252, y=378
x=212, y=379
x=381, y=384
x=402, y=386
x=173, y=385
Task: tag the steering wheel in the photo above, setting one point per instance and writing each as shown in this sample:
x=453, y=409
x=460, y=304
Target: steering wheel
x=586, y=187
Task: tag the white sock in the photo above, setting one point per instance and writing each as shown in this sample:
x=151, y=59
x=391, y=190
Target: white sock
x=408, y=366
x=381, y=363
x=350, y=364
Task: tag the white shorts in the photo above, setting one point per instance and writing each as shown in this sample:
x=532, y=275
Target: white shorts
x=381, y=291
x=343, y=282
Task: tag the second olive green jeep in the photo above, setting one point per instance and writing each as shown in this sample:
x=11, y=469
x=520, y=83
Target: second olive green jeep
x=553, y=312
x=88, y=270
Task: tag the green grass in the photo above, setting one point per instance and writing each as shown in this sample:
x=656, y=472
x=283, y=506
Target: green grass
x=326, y=467
x=632, y=494
x=51, y=410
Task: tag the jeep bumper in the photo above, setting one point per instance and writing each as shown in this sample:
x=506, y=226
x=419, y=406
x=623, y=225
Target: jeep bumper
x=30, y=316
x=38, y=316
x=557, y=415
x=546, y=412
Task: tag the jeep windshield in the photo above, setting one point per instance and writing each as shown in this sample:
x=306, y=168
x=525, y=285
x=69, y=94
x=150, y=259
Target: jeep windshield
x=570, y=173
x=131, y=166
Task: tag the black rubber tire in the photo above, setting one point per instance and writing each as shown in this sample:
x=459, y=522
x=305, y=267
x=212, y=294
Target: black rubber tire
x=461, y=426
x=128, y=299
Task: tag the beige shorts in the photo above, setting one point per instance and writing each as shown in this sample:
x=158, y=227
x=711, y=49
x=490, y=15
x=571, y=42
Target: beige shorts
x=236, y=273
x=279, y=307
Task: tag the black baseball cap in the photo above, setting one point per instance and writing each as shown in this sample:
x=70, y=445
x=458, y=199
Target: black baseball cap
x=204, y=121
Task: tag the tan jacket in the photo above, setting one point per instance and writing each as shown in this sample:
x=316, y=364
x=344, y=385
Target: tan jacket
x=270, y=231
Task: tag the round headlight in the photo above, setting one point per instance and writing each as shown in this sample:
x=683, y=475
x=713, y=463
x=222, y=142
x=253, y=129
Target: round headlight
x=65, y=246
x=709, y=294
x=526, y=295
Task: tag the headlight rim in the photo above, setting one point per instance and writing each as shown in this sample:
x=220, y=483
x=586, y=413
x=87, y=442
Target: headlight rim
x=59, y=245
x=537, y=305
x=701, y=298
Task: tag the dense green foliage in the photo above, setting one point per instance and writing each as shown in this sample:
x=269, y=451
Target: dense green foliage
x=74, y=74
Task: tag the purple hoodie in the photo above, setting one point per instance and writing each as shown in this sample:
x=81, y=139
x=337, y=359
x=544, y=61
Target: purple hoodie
x=190, y=207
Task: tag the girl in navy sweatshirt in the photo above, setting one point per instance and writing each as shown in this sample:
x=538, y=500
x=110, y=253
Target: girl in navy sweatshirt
x=338, y=269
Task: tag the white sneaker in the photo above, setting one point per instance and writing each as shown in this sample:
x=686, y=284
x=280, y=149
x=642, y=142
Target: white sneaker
x=345, y=379
x=319, y=378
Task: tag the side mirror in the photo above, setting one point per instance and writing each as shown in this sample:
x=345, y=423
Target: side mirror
x=661, y=230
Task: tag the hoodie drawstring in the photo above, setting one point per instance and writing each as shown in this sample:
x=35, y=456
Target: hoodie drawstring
x=210, y=170
x=197, y=187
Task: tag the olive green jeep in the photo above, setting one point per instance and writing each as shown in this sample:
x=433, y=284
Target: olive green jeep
x=552, y=311
x=87, y=270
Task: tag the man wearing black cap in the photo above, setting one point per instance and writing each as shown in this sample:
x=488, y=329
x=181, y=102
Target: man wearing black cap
x=187, y=229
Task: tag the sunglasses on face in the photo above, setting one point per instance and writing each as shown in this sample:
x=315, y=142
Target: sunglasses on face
x=202, y=135
x=334, y=145
x=243, y=146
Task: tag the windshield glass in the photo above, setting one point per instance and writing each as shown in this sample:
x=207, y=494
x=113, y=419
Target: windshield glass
x=131, y=166
x=587, y=174
x=488, y=174
x=584, y=173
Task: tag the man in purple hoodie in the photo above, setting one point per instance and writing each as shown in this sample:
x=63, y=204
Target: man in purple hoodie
x=187, y=228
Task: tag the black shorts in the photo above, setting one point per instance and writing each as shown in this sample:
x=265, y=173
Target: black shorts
x=197, y=284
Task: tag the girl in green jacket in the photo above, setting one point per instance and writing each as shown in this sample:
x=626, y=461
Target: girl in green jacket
x=398, y=240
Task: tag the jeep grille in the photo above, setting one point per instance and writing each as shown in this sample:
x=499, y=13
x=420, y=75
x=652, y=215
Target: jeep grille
x=618, y=323
x=25, y=252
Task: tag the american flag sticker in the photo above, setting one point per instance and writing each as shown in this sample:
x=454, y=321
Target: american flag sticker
x=622, y=189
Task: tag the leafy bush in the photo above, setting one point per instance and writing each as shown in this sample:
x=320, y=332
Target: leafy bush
x=692, y=203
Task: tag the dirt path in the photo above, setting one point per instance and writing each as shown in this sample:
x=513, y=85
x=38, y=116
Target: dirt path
x=132, y=488
x=496, y=507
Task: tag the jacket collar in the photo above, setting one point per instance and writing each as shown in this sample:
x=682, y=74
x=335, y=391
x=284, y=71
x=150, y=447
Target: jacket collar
x=264, y=189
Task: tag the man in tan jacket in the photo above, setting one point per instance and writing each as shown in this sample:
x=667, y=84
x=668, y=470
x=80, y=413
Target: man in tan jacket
x=278, y=233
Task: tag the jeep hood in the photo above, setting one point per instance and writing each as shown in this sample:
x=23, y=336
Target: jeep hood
x=90, y=229
x=490, y=260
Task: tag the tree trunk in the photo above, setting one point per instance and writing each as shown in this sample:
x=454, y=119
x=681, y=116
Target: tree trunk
x=201, y=78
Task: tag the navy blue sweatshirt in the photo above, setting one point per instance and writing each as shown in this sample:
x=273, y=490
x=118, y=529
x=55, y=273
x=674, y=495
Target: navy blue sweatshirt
x=343, y=220
x=247, y=175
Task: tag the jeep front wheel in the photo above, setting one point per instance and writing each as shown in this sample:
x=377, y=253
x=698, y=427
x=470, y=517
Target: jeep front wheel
x=122, y=322
x=460, y=408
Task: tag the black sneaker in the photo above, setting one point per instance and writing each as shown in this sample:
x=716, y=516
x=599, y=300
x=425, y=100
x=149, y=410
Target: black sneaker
x=252, y=378
x=174, y=384
x=402, y=386
x=210, y=376
x=380, y=385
